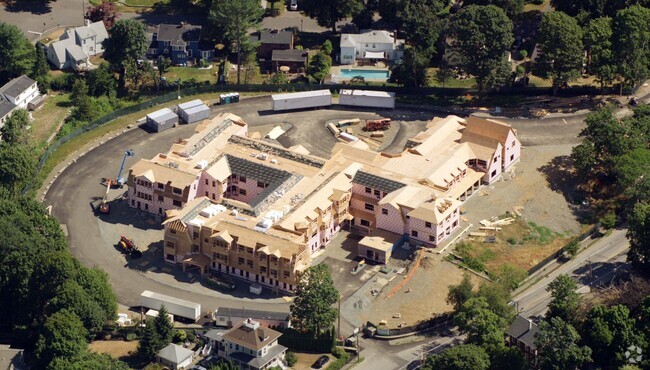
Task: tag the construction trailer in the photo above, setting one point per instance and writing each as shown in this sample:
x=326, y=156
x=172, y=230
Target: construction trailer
x=175, y=306
x=367, y=98
x=193, y=111
x=162, y=120
x=302, y=100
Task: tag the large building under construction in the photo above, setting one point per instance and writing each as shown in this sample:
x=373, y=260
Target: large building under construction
x=258, y=211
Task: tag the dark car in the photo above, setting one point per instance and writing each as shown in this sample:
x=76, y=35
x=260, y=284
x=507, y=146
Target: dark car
x=322, y=360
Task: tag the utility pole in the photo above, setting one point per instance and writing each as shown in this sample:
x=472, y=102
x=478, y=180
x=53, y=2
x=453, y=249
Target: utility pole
x=339, y=325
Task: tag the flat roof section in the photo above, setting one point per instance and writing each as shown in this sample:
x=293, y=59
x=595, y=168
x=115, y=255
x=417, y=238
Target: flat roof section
x=301, y=94
x=196, y=109
x=379, y=94
x=161, y=115
x=380, y=240
x=190, y=104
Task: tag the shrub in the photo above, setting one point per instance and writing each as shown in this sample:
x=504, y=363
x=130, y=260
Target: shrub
x=340, y=362
x=511, y=241
x=131, y=337
x=608, y=221
x=291, y=358
x=523, y=54
x=62, y=82
x=180, y=336
x=338, y=352
x=572, y=247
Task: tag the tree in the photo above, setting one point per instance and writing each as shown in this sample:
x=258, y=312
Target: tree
x=609, y=332
x=327, y=14
x=88, y=360
x=631, y=31
x=511, y=7
x=127, y=42
x=482, y=36
x=163, y=65
x=312, y=309
x=279, y=78
x=443, y=74
x=497, y=296
x=572, y=247
x=584, y=157
x=482, y=326
x=511, y=276
x=41, y=67
x=17, y=166
x=149, y=344
x=509, y=358
x=13, y=131
x=638, y=233
x=459, y=294
x=558, y=348
x=327, y=47
x=63, y=337
x=463, y=357
x=163, y=326
x=16, y=53
x=79, y=91
x=106, y=12
x=234, y=18
x=319, y=67
x=291, y=358
x=560, y=46
x=412, y=70
x=101, y=81
x=600, y=56
x=72, y=297
x=564, y=298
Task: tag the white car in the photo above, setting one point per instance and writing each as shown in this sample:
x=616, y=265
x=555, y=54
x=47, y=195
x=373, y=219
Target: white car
x=293, y=5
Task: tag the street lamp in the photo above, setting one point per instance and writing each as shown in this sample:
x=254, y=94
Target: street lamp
x=179, y=88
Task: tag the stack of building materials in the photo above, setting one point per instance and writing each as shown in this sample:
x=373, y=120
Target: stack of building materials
x=193, y=111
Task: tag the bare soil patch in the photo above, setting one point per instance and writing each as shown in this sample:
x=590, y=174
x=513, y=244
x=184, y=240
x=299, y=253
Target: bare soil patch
x=305, y=360
x=116, y=348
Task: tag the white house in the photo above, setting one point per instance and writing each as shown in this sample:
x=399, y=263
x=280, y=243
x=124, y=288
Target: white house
x=20, y=93
x=371, y=45
x=176, y=357
x=76, y=45
x=251, y=346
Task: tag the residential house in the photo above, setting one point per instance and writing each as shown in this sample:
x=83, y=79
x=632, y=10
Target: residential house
x=521, y=334
x=181, y=43
x=11, y=358
x=371, y=45
x=251, y=346
x=229, y=317
x=20, y=93
x=295, y=60
x=77, y=45
x=176, y=357
x=270, y=40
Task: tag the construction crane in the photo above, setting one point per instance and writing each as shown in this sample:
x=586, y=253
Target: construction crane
x=119, y=180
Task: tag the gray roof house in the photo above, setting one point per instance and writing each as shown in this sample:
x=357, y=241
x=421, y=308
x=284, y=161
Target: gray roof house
x=11, y=358
x=76, y=45
x=176, y=357
x=251, y=346
x=21, y=92
x=521, y=334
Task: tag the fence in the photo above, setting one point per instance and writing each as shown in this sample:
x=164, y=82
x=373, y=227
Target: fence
x=383, y=331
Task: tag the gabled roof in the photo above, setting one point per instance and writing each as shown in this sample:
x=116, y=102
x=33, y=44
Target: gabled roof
x=16, y=86
x=76, y=53
x=275, y=37
x=179, y=34
x=524, y=330
x=351, y=40
x=174, y=353
x=6, y=107
x=486, y=128
x=289, y=56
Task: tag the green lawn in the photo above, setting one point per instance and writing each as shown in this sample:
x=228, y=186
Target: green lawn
x=186, y=73
x=530, y=7
x=48, y=117
x=466, y=83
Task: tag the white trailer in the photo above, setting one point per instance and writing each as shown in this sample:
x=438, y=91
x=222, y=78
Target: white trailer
x=367, y=98
x=302, y=100
x=175, y=306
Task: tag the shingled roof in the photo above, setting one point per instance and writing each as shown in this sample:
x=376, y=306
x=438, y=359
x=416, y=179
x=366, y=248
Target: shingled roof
x=376, y=182
x=251, y=335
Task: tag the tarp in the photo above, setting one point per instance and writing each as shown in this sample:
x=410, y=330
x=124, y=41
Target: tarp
x=374, y=55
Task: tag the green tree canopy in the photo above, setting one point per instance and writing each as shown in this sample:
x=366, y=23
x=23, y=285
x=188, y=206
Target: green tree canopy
x=600, y=53
x=13, y=131
x=638, y=233
x=16, y=53
x=319, y=67
x=63, y=336
x=106, y=11
x=163, y=326
x=330, y=12
x=127, y=42
x=560, y=46
x=149, y=344
x=482, y=36
x=312, y=309
x=412, y=71
x=17, y=166
x=459, y=294
x=482, y=326
x=510, y=358
x=631, y=31
x=88, y=360
x=41, y=67
x=463, y=357
x=101, y=81
x=564, y=298
x=631, y=166
x=558, y=346
x=511, y=7
x=234, y=18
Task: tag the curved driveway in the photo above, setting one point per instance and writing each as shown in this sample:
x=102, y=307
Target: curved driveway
x=92, y=239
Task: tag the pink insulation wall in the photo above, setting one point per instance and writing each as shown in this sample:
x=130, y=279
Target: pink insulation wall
x=249, y=187
x=437, y=232
x=494, y=166
x=210, y=187
x=511, y=151
x=390, y=219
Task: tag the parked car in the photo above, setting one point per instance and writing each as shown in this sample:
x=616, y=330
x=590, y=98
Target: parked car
x=322, y=360
x=293, y=5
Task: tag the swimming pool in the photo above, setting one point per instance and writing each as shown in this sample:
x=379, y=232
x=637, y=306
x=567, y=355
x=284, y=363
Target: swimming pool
x=368, y=74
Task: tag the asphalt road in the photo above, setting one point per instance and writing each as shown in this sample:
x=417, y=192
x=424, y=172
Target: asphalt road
x=596, y=265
